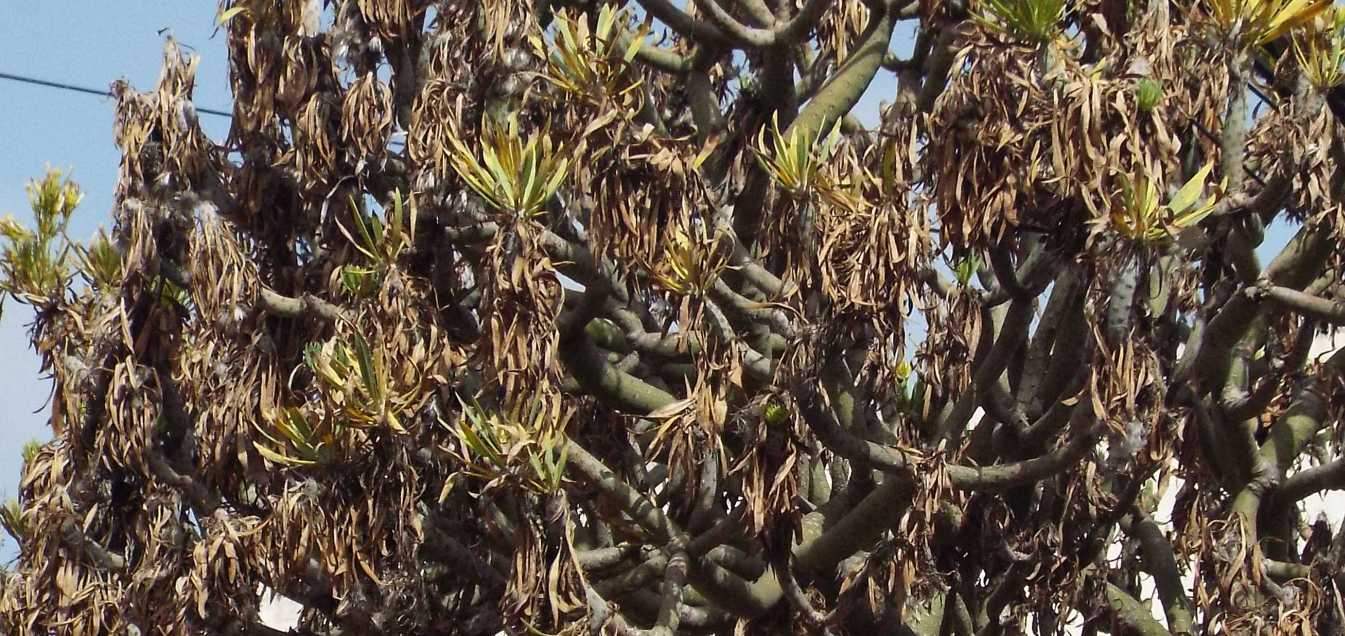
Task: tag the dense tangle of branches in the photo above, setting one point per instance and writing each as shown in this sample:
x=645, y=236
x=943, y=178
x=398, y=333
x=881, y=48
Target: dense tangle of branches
x=591, y=316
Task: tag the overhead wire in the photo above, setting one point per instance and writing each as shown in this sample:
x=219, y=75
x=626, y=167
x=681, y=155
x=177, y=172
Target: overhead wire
x=103, y=93
x=91, y=91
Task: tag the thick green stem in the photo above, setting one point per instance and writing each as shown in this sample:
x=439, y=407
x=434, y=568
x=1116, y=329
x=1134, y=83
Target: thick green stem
x=869, y=519
x=1009, y=339
x=1162, y=566
x=711, y=580
x=681, y=22
x=1233, y=138
x=844, y=89
x=1305, y=483
x=1286, y=441
x=613, y=386
x=1324, y=309
x=1039, y=351
x=1133, y=614
x=1295, y=267
x=940, y=63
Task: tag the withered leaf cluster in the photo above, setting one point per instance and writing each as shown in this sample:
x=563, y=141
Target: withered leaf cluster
x=590, y=316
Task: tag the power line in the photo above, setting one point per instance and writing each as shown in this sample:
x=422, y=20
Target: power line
x=94, y=91
x=90, y=91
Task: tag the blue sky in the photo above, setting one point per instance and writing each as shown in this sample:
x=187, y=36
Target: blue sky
x=91, y=44
x=87, y=44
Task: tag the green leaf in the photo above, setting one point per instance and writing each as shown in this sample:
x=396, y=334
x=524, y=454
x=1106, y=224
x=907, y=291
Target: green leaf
x=561, y=460
x=1148, y=93
x=1189, y=193
x=281, y=458
x=365, y=362
x=30, y=450
x=966, y=268
x=229, y=14
x=502, y=179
